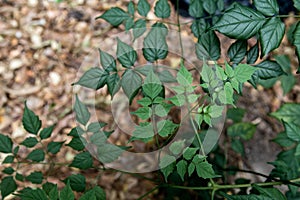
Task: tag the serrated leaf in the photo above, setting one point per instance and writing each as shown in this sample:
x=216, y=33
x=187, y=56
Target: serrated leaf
x=191, y=168
x=287, y=83
x=240, y=22
x=77, y=182
x=292, y=131
x=29, y=194
x=143, y=131
x=131, y=8
x=8, y=170
x=166, y=127
x=152, y=85
x=252, y=54
x=205, y=170
x=296, y=42
x=30, y=142
x=8, y=159
x=243, y=72
x=289, y=112
x=266, y=70
x=237, y=51
x=177, y=147
x=283, y=140
x=196, y=9
x=31, y=122
x=166, y=77
x=270, y=192
x=19, y=177
x=184, y=77
x=54, y=147
x=271, y=35
x=267, y=7
x=131, y=82
x=8, y=186
x=126, y=54
x=94, y=78
x=108, y=153
x=143, y=113
x=198, y=27
x=47, y=187
x=215, y=111
x=210, y=6
x=67, y=193
x=154, y=45
x=82, y=113
x=235, y=114
x=162, y=9
x=53, y=194
x=115, y=16
x=35, y=177
x=143, y=7
x=113, y=84
x=208, y=46
x=238, y=146
x=82, y=160
x=139, y=28
x=96, y=126
x=181, y=167
x=129, y=23
x=189, y=153
x=96, y=193
x=146, y=101
x=76, y=144
x=6, y=144
x=46, y=132
x=36, y=155
x=243, y=130
x=107, y=61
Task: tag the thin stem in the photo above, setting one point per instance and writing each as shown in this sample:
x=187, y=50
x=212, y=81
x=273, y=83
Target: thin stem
x=147, y=193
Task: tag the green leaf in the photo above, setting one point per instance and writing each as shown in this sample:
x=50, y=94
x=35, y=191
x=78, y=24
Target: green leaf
x=46, y=132
x=287, y=83
x=297, y=152
x=166, y=77
x=289, y=112
x=208, y=46
x=67, y=193
x=8, y=170
x=35, y=177
x=129, y=23
x=108, y=153
x=131, y=82
x=115, y=16
x=54, y=147
x=184, y=77
x=95, y=126
x=252, y=54
x=177, y=147
x=296, y=42
x=226, y=96
x=82, y=113
x=19, y=177
x=96, y=193
x=146, y=101
x=235, y=114
x=139, y=28
x=240, y=22
x=36, y=194
x=8, y=186
x=243, y=130
x=191, y=168
x=143, y=7
x=8, y=159
x=113, y=84
x=77, y=182
x=31, y=122
x=94, y=78
x=189, y=153
x=130, y=8
x=126, y=54
x=215, y=111
x=271, y=35
x=238, y=146
x=266, y=70
x=267, y=7
x=143, y=113
x=283, y=140
x=162, y=9
x=237, y=51
x=30, y=142
x=36, y=155
x=53, y=194
x=243, y=72
x=292, y=131
x=270, y=192
x=220, y=5
x=198, y=27
x=167, y=164
x=210, y=6
x=205, y=170
x=166, y=127
x=297, y=4
x=76, y=144
x=155, y=45
x=82, y=160
x=143, y=131
x=107, y=61
x=5, y=144
x=181, y=167
x=152, y=85
x=196, y=9
x=47, y=187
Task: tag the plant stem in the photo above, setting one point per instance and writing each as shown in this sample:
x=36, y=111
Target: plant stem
x=149, y=192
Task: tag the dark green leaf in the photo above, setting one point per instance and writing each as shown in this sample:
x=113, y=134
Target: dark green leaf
x=131, y=82
x=287, y=83
x=143, y=7
x=297, y=4
x=76, y=144
x=30, y=142
x=296, y=42
x=220, y=5
x=94, y=78
x=270, y=192
x=96, y=126
x=198, y=27
x=236, y=114
x=155, y=45
x=210, y=6
x=36, y=155
x=30, y=194
x=5, y=144
x=47, y=187
x=35, y=177
x=266, y=70
x=107, y=61
x=8, y=186
x=152, y=85
x=115, y=16
x=82, y=113
x=196, y=8
x=237, y=51
x=108, y=153
x=243, y=130
x=82, y=160
x=238, y=146
x=292, y=131
x=129, y=23
x=31, y=122
x=54, y=147
x=46, y=132
x=67, y=193
x=8, y=159
x=289, y=112
x=98, y=138
x=126, y=54
x=267, y=7
x=167, y=164
x=245, y=197
x=8, y=170
x=205, y=170
x=208, y=46
x=162, y=9
x=113, y=84
x=252, y=54
x=191, y=168
x=283, y=140
x=130, y=8
x=77, y=182
x=181, y=167
x=271, y=35
x=139, y=28
x=143, y=113
x=240, y=22
x=53, y=194
x=76, y=132
x=19, y=177
x=189, y=153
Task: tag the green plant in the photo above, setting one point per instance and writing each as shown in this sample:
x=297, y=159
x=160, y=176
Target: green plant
x=185, y=164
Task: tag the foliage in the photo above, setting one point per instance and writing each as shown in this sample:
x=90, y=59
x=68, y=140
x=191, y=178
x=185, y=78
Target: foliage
x=186, y=166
